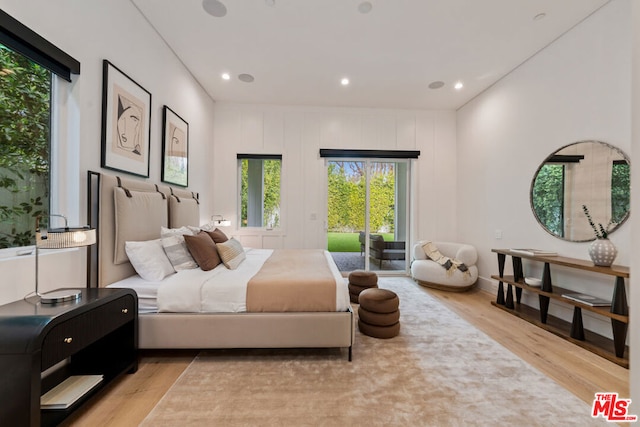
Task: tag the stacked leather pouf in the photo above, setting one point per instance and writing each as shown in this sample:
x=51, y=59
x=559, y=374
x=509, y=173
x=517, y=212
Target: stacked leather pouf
x=378, y=314
x=359, y=280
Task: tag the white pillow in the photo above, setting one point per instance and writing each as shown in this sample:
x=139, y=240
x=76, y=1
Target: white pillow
x=149, y=259
x=231, y=253
x=164, y=231
x=204, y=227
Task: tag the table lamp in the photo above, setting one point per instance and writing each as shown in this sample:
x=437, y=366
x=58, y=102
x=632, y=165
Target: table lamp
x=61, y=238
x=219, y=221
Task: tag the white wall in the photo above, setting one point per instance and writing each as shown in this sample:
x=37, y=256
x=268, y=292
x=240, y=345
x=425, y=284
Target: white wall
x=575, y=89
x=298, y=133
x=91, y=31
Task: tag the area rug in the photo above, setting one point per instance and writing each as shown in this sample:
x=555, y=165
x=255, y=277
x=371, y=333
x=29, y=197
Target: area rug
x=440, y=371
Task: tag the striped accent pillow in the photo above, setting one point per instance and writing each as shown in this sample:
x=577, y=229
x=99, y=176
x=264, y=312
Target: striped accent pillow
x=177, y=251
x=231, y=253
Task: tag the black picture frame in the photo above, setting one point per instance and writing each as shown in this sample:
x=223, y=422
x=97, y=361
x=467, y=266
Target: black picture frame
x=175, y=148
x=126, y=123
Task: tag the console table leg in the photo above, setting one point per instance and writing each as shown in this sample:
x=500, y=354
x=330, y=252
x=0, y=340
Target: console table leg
x=547, y=286
x=518, y=295
x=577, y=330
x=517, y=268
x=544, y=307
x=619, y=306
x=518, y=275
x=509, y=302
x=619, y=336
x=500, y=297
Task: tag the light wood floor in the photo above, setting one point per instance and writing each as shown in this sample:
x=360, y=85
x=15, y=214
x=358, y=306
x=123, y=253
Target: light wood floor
x=128, y=400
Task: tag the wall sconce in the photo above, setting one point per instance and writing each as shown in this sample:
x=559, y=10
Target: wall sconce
x=61, y=238
x=219, y=221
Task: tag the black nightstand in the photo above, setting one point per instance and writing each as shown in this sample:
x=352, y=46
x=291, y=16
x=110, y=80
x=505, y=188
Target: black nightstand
x=97, y=334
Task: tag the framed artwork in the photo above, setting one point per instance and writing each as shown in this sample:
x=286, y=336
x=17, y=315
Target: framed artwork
x=175, y=148
x=126, y=123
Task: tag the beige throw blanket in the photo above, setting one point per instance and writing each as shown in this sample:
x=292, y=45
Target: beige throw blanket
x=293, y=280
x=451, y=265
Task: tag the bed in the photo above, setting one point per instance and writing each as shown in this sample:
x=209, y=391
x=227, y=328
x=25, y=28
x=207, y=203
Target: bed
x=127, y=210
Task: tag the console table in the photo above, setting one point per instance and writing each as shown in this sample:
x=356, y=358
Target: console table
x=94, y=335
x=614, y=350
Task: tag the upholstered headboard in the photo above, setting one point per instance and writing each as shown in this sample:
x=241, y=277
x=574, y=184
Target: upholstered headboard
x=130, y=210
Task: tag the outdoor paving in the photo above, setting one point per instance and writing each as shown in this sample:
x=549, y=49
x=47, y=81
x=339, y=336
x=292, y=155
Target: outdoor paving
x=349, y=261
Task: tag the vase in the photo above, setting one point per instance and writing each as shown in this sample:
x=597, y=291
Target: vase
x=602, y=252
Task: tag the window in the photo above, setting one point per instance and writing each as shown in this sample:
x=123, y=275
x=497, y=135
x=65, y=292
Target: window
x=25, y=116
x=260, y=190
x=29, y=71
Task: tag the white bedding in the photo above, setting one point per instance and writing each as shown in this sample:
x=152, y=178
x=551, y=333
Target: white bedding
x=216, y=291
x=147, y=292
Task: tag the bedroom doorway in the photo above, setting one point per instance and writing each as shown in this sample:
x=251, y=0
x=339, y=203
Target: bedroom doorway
x=367, y=214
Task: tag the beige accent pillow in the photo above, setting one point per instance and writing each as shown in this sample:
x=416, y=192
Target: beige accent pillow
x=137, y=218
x=203, y=250
x=149, y=259
x=231, y=253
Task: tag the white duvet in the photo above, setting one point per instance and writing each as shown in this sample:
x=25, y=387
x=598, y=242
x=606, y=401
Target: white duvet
x=224, y=290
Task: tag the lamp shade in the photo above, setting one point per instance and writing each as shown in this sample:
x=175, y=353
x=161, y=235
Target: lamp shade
x=62, y=238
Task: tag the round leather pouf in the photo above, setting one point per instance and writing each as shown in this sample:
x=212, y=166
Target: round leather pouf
x=356, y=289
x=365, y=279
x=379, y=331
x=379, y=300
x=378, y=319
x=353, y=297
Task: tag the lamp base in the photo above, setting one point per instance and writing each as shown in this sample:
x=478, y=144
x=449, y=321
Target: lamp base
x=62, y=295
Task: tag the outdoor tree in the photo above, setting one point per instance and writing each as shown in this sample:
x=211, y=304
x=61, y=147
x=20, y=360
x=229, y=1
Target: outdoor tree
x=347, y=196
x=24, y=147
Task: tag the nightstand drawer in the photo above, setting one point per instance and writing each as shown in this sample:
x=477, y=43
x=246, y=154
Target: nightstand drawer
x=77, y=333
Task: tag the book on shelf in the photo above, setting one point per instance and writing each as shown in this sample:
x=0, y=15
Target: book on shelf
x=534, y=252
x=69, y=391
x=588, y=300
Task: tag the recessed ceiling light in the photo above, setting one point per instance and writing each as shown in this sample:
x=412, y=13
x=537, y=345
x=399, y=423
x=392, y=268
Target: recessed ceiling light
x=344, y=81
x=365, y=7
x=539, y=16
x=226, y=76
x=270, y=2
x=214, y=7
x=247, y=78
x=458, y=85
x=436, y=85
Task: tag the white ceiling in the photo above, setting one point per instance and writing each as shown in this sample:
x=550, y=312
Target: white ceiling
x=298, y=50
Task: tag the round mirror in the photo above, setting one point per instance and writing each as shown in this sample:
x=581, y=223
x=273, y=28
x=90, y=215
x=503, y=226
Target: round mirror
x=586, y=173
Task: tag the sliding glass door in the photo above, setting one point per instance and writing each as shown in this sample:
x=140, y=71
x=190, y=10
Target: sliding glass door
x=368, y=215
